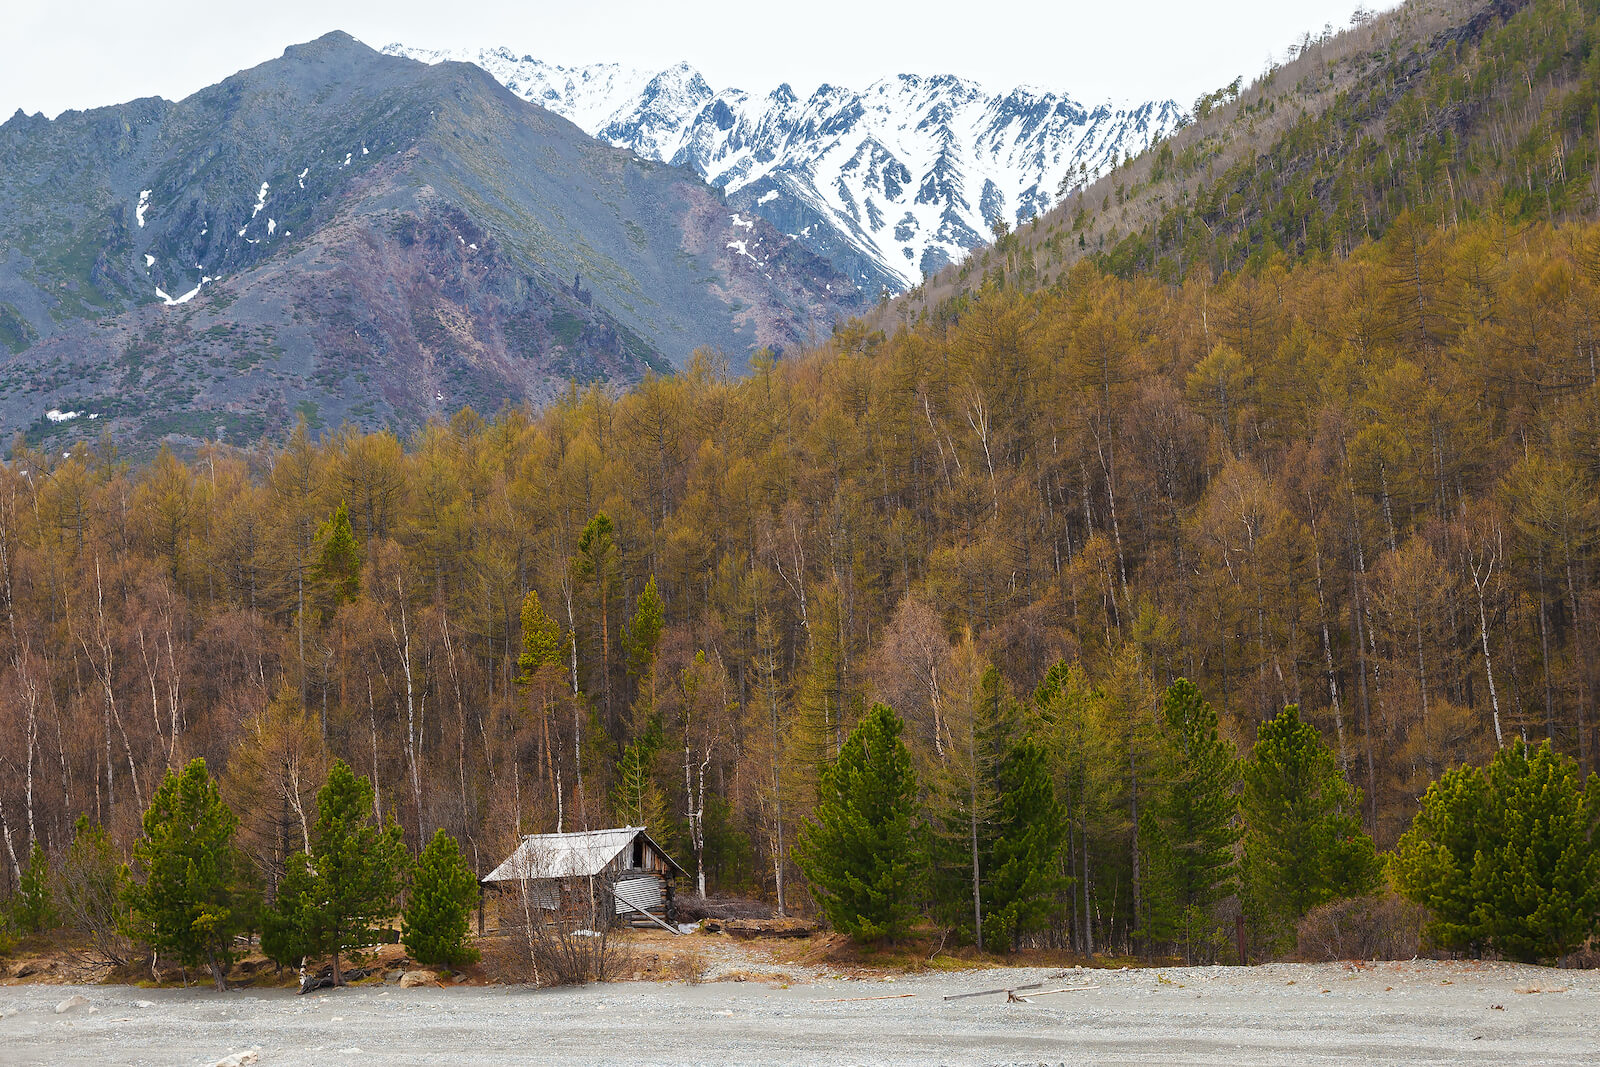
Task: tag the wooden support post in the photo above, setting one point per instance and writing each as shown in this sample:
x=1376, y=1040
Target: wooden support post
x=480, y=909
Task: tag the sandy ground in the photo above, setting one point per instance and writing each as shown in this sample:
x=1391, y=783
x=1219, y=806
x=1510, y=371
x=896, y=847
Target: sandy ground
x=1419, y=1012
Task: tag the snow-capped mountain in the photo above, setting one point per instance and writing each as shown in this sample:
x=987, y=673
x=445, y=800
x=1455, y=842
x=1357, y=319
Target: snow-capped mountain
x=890, y=183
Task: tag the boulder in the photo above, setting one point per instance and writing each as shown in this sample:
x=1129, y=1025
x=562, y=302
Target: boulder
x=77, y=1000
x=412, y=979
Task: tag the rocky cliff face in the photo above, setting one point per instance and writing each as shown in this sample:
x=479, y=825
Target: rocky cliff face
x=888, y=183
x=344, y=235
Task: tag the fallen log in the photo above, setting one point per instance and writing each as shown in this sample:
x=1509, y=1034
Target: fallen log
x=324, y=979
x=747, y=928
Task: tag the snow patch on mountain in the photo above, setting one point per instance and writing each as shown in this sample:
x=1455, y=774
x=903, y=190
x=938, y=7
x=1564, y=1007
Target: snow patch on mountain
x=890, y=183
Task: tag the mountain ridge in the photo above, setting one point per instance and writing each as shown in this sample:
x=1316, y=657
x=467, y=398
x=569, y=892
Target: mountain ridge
x=366, y=237
x=891, y=182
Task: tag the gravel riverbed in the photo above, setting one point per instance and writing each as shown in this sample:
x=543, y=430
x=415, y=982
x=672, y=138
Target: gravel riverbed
x=1417, y=1012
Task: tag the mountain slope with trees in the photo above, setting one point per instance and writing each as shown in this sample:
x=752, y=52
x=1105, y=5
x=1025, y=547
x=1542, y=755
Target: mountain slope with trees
x=1332, y=512
x=1441, y=110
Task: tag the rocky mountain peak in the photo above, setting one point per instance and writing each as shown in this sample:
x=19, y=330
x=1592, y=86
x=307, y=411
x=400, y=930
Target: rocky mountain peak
x=884, y=182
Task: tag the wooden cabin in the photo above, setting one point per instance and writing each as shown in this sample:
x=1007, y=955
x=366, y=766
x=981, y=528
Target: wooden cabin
x=625, y=863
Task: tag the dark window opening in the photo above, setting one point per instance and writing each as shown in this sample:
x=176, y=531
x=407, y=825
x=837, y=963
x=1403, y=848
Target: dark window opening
x=638, y=852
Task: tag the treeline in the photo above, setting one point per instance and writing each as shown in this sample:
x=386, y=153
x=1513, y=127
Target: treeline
x=1504, y=859
x=1362, y=486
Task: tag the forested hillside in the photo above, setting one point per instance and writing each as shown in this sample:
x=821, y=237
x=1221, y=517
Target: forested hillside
x=1441, y=110
x=1365, y=486
x=1356, y=475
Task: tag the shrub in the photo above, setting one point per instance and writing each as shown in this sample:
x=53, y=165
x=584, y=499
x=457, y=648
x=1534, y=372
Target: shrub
x=91, y=882
x=1379, y=927
x=560, y=935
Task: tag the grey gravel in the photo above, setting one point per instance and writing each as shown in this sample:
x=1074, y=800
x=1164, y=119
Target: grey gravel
x=1418, y=1012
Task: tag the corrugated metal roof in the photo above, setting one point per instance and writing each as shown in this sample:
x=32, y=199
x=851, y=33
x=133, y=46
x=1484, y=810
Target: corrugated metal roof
x=575, y=855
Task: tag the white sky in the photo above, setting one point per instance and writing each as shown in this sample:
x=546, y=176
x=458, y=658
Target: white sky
x=63, y=54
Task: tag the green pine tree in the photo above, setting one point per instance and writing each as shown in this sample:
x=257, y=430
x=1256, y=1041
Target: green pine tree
x=35, y=910
x=1303, y=842
x=1195, y=813
x=286, y=925
x=641, y=635
x=436, y=925
x=858, y=848
x=1506, y=857
x=1160, y=918
x=335, y=898
x=194, y=898
x=636, y=795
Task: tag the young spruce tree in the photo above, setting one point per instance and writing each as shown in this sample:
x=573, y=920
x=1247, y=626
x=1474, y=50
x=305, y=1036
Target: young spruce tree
x=194, y=897
x=1303, y=842
x=1506, y=857
x=1026, y=835
x=858, y=848
x=436, y=925
x=1195, y=813
x=334, y=898
x=1000, y=837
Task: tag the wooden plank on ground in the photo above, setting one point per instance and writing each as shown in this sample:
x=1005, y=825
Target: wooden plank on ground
x=1008, y=990
x=854, y=1000
x=1024, y=998
x=652, y=918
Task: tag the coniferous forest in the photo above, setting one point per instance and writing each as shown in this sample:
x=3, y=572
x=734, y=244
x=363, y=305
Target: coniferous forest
x=1090, y=614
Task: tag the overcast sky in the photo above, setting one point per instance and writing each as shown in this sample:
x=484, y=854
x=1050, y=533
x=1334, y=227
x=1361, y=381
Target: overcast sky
x=63, y=54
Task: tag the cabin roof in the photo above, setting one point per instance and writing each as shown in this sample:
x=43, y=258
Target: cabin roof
x=574, y=855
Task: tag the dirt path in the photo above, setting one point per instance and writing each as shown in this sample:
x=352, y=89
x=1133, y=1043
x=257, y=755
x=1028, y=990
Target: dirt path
x=1412, y=1013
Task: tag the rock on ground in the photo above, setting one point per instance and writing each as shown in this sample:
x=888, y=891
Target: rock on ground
x=77, y=1000
x=412, y=979
x=239, y=1059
